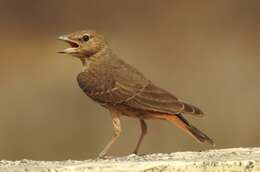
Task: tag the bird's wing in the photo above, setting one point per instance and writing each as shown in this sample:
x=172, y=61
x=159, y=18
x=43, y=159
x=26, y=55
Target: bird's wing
x=153, y=98
x=134, y=92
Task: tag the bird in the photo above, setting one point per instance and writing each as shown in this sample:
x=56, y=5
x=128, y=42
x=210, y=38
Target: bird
x=125, y=91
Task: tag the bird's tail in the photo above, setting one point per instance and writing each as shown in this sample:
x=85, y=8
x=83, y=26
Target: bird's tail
x=182, y=123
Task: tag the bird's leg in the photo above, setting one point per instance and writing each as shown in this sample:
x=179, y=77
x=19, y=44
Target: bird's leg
x=117, y=131
x=143, y=132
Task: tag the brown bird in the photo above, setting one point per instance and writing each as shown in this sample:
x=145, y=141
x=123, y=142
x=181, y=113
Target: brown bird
x=123, y=90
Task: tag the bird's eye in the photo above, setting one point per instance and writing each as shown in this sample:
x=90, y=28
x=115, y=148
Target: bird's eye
x=85, y=38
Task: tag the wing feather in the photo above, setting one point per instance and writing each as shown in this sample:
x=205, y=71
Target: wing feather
x=144, y=96
x=156, y=99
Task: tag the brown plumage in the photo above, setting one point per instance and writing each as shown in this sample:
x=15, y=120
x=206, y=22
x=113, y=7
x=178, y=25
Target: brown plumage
x=123, y=90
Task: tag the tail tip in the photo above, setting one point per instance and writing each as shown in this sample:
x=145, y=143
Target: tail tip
x=211, y=142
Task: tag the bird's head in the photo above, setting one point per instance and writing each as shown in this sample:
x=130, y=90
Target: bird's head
x=83, y=44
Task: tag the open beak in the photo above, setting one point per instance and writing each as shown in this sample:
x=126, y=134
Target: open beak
x=74, y=46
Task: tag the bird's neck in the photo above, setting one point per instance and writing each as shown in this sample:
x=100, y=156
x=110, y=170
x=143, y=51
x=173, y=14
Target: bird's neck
x=96, y=58
x=85, y=64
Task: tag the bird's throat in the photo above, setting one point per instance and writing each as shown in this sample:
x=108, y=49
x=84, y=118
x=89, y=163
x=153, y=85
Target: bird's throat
x=95, y=58
x=85, y=63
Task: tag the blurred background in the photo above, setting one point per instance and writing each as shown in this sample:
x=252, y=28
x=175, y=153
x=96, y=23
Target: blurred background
x=205, y=52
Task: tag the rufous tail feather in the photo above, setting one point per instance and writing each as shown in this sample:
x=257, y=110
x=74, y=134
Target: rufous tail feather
x=182, y=123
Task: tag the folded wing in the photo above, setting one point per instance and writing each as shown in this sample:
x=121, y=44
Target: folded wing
x=155, y=99
x=139, y=95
